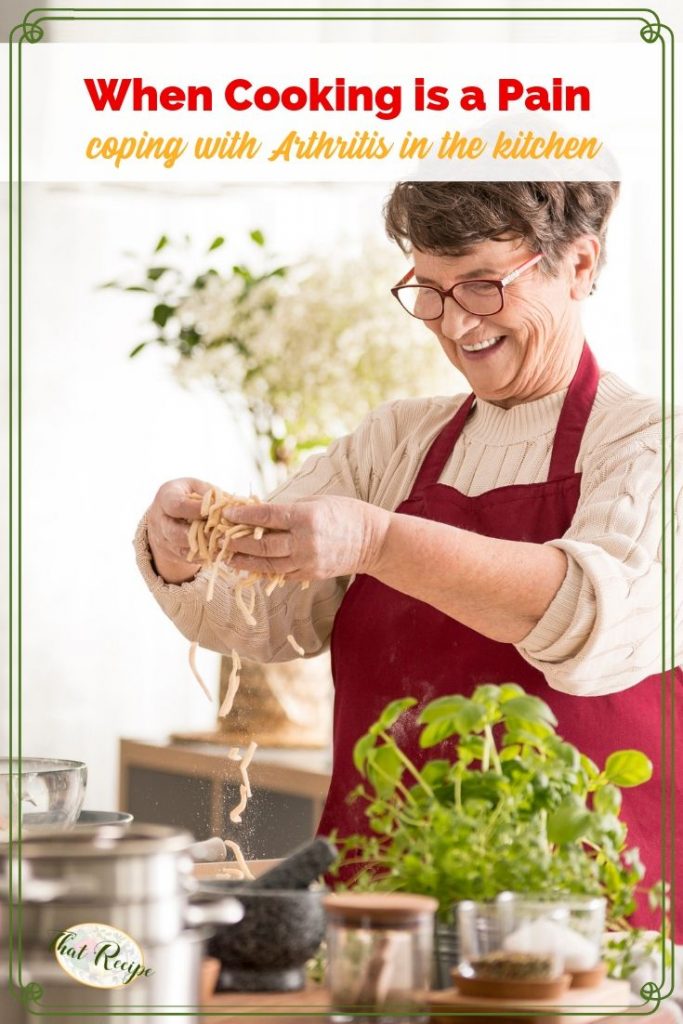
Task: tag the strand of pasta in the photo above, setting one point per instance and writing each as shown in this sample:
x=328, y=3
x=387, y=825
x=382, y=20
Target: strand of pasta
x=245, y=787
x=293, y=643
x=208, y=541
x=195, y=670
x=233, y=686
x=239, y=857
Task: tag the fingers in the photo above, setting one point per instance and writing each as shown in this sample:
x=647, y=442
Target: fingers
x=273, y=517
x=271, y=545
x=176, y=502
x=167, y=528
x=175, y=533
x=264, y=566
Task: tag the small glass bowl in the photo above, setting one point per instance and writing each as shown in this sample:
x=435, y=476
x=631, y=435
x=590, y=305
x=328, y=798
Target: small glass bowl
x=583, y=945
x=42, y=792
x=512, y=940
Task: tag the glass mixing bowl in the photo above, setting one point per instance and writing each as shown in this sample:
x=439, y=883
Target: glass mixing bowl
x=42, y=792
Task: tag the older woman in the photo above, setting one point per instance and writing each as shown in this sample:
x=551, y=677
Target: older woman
x=510, y=534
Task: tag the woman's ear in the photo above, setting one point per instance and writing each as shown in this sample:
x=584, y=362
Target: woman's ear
x=583, y=258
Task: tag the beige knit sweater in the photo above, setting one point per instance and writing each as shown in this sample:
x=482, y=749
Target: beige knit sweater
x=602, y=631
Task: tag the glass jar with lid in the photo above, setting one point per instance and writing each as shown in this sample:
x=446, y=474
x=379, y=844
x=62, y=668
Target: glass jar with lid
x=379, y=956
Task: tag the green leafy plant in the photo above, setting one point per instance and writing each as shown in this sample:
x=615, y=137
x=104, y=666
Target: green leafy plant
x=514, y=807
x=299, y=352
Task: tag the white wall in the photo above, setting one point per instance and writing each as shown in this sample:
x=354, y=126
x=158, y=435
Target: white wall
x=101, y=432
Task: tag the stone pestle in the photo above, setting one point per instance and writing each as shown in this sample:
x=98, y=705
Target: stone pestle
x=299, y=868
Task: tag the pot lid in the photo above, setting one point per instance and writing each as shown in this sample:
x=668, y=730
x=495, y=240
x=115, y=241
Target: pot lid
x=99, y=841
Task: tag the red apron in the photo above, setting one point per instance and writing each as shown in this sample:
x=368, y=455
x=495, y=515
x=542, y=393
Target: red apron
x=387, y=645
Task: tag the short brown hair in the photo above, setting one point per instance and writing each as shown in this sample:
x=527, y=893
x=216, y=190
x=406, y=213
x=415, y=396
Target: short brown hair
x=448, y=218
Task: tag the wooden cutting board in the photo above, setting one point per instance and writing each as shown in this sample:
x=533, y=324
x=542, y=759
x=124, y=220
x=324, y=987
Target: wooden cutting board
x=610, y=997
x=312, y=1005
x=260, y=1007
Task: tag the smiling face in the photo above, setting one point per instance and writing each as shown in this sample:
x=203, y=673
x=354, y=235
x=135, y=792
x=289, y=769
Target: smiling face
x=538, y=334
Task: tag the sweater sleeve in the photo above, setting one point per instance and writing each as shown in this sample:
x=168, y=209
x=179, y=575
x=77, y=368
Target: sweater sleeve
x=603, y=630
x=350, y=467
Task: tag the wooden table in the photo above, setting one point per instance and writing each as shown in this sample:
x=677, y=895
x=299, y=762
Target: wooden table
x=312, y=1005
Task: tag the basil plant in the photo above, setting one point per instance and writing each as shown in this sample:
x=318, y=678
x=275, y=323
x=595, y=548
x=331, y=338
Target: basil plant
x=512, y=806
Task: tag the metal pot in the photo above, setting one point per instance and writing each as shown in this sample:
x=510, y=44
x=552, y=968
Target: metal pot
x=173, y=986
x=138, y=879
x=126, y=864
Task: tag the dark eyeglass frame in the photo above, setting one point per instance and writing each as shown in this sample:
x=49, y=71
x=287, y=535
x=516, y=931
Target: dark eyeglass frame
x=450, y=292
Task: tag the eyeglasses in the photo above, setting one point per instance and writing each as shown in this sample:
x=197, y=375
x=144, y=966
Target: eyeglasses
x=481, y=298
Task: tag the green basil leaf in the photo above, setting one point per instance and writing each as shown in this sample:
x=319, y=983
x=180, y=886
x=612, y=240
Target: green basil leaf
x=440, y=708
x=528, y=709
x=436, y=773
x=217, y=243
x=453, y=714
x=589, y=767
x=628, y=768
x=437, y=732
x=393, y=712
x=384, y=769
x=569, y=756
x=508, y=691
x=361, y=750
x=470, y=748
x=519, y=732
x=568, y=823
x=488, y=693
x=607, y=800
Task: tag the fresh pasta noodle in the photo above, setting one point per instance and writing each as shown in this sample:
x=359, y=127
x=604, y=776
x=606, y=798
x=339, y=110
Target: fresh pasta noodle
x=195, y=670
x=239, y=857
x=293, y=643
x=247, y=613
x=230, y=874
x=245, y=787
x=208, y=542
x=233, y=685
x=236, y=812
x=244, y=765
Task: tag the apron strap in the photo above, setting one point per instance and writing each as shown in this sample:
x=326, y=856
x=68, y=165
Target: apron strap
x=571, y=425
x=576, y=409
x=441, y=448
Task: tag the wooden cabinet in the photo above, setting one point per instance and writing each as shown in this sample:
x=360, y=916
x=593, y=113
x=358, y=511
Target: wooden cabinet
x=195, y=786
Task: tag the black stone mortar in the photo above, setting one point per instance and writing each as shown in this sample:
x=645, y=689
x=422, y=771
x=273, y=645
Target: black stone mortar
x=267, y=950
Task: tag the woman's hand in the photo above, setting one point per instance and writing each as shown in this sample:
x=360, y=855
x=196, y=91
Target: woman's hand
x=312, y=539
x=168, y=522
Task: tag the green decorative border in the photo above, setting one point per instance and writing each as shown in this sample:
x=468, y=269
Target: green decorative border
x=30, y=30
